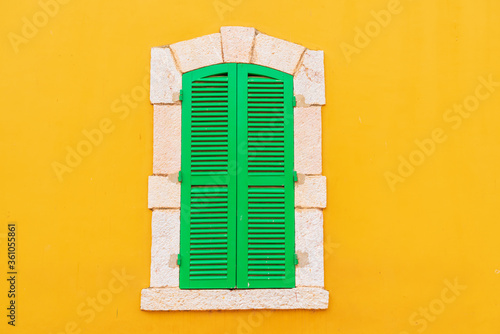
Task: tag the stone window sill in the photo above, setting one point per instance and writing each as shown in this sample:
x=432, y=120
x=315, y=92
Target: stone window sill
x=175, y=299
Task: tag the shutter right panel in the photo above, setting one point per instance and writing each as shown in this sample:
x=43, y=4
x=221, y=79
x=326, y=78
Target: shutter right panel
x=265, y=257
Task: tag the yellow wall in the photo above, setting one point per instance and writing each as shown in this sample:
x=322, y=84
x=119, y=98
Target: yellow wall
x=389, y=253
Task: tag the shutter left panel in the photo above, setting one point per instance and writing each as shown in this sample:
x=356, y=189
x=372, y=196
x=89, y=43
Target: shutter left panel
x=208, y=189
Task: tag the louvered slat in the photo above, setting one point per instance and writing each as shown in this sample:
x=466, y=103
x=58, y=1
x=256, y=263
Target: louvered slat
x=209, y=125
x=208, y=243
x=266, y=238
x=265, y=128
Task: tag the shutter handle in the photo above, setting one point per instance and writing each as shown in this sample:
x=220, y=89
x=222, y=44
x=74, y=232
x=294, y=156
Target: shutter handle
x=295, y=176
x=295, y=259
x=179, y=259
x=179, y=178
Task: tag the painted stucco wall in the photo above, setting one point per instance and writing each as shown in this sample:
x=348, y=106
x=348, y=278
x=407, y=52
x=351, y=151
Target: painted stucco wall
x=410, y=150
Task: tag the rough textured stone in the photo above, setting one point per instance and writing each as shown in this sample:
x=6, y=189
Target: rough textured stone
x=167, y=139
x=173, y=299
x=164, y=248
x=307, y=140
x=163, y=193
x=309, y=247
x=309, y=81
x=166, y=80
x=198, y=52
x=311, y=193
x=237, y=44
x=276, y=53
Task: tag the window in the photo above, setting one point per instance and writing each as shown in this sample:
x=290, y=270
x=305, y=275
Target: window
x=237, y=191
x=249, y=188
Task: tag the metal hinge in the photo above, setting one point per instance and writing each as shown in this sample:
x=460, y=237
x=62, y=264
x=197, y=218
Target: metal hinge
x=179, y=259
x=295, y=176
x=295, y=259
x=181, y=95
x=179, y=178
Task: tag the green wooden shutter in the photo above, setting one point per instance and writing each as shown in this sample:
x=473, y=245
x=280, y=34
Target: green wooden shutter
x=208, y=188
x=266, y=216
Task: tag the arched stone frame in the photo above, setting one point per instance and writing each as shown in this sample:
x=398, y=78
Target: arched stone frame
x=236, y=45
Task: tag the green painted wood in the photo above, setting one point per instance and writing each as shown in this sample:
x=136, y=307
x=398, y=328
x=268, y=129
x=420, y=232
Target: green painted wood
x=265, y=197
x=237, y=192
x=208, y=189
